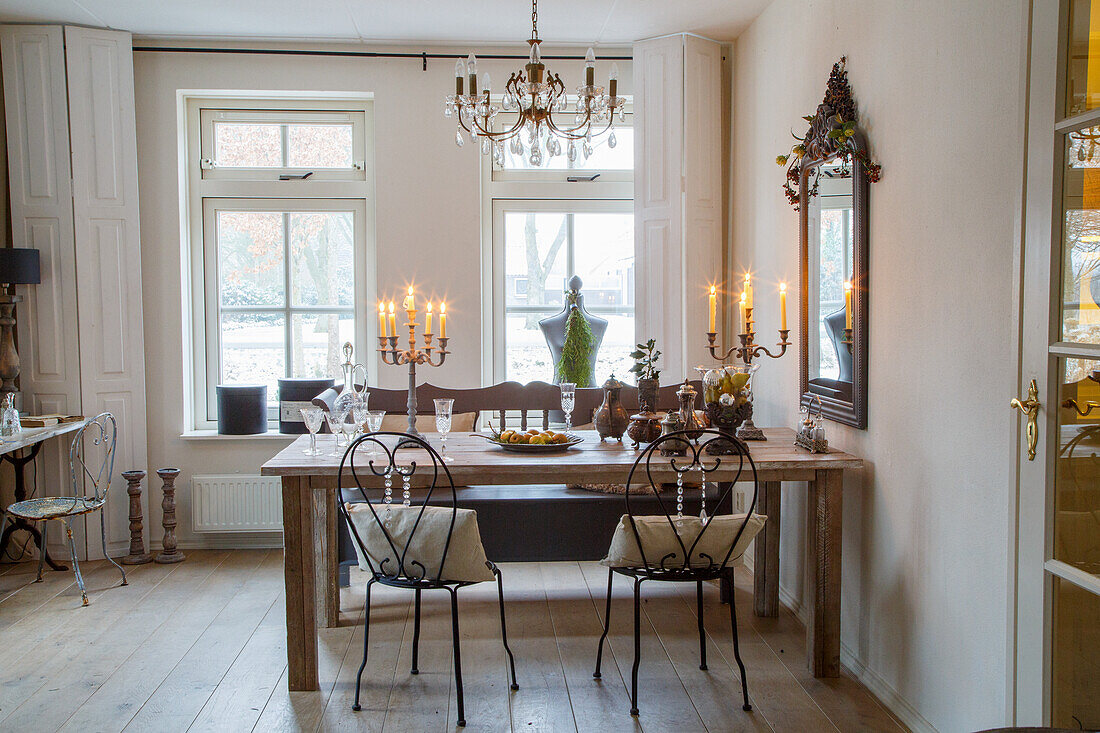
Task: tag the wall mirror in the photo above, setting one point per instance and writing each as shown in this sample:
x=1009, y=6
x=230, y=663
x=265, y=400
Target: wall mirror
x=833, y=171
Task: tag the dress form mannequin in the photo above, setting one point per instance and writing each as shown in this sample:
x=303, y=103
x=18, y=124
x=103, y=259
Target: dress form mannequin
x=553, y=330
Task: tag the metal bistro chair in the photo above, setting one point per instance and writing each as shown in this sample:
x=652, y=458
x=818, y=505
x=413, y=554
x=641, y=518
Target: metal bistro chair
x=407, y=543
x=91, y=458
x=678, y=547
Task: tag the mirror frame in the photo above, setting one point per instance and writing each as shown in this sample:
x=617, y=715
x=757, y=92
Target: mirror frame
x=821, y=149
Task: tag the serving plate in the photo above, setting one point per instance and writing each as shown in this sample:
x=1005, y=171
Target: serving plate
x=535, y=448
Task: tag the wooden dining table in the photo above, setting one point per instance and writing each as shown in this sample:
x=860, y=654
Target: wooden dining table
x=309, y=488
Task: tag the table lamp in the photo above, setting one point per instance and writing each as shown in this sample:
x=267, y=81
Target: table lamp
x=18, y=266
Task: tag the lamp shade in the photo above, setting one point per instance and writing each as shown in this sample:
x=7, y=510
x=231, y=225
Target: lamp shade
x=19, y=266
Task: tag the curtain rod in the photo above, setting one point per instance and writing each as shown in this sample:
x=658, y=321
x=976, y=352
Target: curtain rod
x=423, y=56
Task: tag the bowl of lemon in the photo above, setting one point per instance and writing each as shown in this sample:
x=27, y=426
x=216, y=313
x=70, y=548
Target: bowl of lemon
x=533, y=441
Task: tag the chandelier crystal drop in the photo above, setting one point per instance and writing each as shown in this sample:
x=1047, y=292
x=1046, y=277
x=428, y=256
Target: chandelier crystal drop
x=534, y=95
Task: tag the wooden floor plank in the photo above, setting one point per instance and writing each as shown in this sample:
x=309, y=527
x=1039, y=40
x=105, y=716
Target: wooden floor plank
x=121, y=694
x=662, y=701
x=420, y=702
x=597, y=704
x=390, y=609
x=544, y=700
x=716, y=691
x=772, y=688
x=77, y=678
x=183, y=693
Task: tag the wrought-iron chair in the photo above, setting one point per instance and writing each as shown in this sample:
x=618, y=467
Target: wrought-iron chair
x=91, y=459
x=673, y=546
x=408, y=543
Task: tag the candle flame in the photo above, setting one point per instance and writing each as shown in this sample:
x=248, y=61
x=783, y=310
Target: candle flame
x=381, y=307
x=782, y=287
x=847, y=284
x=442, y=308
x=429, y=306
x=391, y=307
x=712, y=290
x=410, y=290
x=743, y=301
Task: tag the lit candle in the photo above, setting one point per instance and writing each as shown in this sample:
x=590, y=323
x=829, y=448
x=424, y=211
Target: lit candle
x=408, y=303
x=381, y=318
x=713, y=309
x=442, y=320
x=782, y=306
x=393, y=322
x=848, y=304
x=428, y=325
x=748, y=290
x=744, y=314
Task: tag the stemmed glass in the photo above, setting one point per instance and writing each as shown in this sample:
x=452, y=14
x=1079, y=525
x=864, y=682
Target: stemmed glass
x=568, y=401
x=336, y=419
x=313, y=415
x=443, y=410
x=374, y=424
x=359, y=414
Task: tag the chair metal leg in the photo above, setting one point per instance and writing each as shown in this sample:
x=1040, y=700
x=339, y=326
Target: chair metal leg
x=76, y=564
x=103, y=536
x=458, y=656
x=416, y=633
x=366, y=647
x=42, y=551
x=637, y=646
x=606, y=624
x=702, y=631
x=504, y=627
x=736, y=649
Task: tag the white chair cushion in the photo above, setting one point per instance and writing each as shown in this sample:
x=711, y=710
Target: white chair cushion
x=465, y=556
x=659, y=540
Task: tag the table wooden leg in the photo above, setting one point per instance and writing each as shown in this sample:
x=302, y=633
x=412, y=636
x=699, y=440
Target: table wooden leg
x=298, y=575
x=326, y=556
x=824, y=543
x=766, y=552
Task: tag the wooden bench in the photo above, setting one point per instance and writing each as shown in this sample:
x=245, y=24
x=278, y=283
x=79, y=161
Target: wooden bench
x=559, y=523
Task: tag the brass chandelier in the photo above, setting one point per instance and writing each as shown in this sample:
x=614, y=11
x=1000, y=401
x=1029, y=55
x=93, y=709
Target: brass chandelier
x=534, y=95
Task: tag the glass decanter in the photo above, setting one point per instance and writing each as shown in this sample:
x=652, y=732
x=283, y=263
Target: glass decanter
x=350, y=396
x=9, y=418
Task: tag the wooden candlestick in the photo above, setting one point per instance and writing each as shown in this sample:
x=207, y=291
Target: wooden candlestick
x=138, y=555
x=168, y=504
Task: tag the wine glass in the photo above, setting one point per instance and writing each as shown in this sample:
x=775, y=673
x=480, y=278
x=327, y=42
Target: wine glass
x=443, y=410
x=336, y=418
x=359, y=414
x=374, y=424
x=568, y=401
x=313, y=415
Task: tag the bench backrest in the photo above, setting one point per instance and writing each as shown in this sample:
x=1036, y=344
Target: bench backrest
x=535, y=397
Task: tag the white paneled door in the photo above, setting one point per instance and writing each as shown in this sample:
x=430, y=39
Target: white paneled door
x=1057, y=642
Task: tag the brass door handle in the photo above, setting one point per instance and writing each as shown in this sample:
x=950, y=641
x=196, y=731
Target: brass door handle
x=1030, y=408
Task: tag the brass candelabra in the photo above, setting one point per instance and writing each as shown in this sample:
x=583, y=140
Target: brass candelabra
x=748, y=348
x=425, y=354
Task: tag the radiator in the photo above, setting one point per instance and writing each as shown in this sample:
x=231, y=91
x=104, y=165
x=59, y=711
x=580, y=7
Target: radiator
x=236, y=503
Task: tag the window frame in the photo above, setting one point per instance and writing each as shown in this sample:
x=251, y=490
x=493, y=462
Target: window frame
x=250, y=190
x=535, y=190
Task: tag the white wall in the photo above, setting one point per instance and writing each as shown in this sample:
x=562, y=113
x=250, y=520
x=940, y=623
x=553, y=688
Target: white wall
x=428, y=220
x=925, y=556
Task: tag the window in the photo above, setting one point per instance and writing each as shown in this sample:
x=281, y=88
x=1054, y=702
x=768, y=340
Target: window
x=545, y=230
x=279, y=205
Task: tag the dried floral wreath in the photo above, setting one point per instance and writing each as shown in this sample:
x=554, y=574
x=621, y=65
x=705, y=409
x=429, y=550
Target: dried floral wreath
x=832, y=133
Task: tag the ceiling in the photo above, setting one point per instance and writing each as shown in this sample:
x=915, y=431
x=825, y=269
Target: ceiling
x=607, y=22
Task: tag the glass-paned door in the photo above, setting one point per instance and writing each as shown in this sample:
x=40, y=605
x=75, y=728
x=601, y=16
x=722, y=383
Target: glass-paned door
x=1057, y=660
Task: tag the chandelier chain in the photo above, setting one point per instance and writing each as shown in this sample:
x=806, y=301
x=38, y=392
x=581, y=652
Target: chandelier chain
x=534, y=19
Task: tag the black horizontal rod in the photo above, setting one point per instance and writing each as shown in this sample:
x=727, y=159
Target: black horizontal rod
x=361, y=54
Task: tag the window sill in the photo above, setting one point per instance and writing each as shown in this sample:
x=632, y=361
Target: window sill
x=215, y=435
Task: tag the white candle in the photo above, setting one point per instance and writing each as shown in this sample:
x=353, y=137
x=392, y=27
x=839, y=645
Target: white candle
x=393, y=321
x=743, y=308
x=442, y=320
x=713, y=309
x=381, y=318
x=748, y=290
x=428, y=325
x=782, y=306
